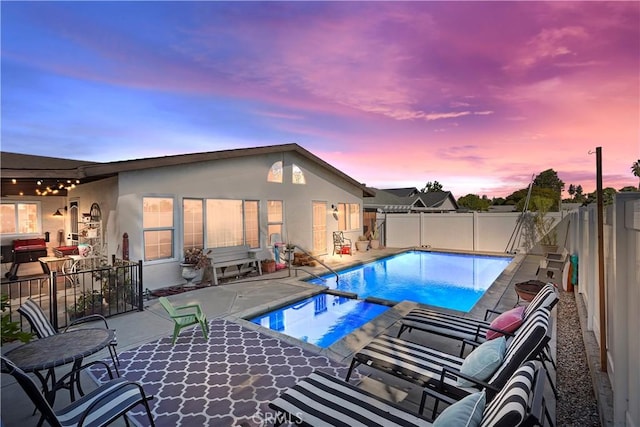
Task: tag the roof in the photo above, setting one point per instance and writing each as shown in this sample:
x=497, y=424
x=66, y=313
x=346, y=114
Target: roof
x=389, y=200
x=29, y=168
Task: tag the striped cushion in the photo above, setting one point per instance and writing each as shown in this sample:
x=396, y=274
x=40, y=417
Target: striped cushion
x=445, y=324
x=323, y=400
x=459, y=327
x=113, y=399
x=37, y=319
x=546, y=298
x=510, y=407
x=528, y=342
x=408, y=360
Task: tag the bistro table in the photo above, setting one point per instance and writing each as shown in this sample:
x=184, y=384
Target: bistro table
x=47, y=353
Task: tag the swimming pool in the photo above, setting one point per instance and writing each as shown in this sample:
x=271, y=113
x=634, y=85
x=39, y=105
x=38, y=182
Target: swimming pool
x=322, y=319
x=455, y=281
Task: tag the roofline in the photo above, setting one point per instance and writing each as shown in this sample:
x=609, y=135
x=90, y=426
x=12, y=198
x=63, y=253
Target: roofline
x=94, y=170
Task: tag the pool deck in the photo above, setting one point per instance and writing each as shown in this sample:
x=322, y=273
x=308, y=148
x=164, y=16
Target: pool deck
x=240, y=299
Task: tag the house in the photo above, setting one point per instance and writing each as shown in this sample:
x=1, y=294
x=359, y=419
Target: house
x=405, y=200
x=253, y=196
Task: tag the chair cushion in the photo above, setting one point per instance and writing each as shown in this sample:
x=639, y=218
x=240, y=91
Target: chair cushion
x=482, y=362
x=467, y=412
x=508, y=321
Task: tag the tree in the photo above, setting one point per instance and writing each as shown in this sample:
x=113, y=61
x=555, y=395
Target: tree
x=549, y=179
x=432, y=186
x=474, y=202
x=628, y=188
x=572, y=190
x=635, y=168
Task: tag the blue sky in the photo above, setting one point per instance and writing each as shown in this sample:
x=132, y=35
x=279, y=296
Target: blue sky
x=476, y=95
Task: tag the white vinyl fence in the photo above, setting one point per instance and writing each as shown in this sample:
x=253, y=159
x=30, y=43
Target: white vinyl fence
x=577, y=232
x=622, y=294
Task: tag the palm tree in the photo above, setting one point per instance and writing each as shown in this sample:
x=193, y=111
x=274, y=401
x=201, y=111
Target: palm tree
x=635, y=168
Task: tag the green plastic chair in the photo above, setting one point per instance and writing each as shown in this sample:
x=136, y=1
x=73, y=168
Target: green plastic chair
x=182, y=320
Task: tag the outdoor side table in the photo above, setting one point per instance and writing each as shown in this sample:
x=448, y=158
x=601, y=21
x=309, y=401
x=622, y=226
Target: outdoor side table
x=44, y=355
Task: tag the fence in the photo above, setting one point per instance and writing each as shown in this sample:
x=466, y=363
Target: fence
x=621, y=238
x=106, y=290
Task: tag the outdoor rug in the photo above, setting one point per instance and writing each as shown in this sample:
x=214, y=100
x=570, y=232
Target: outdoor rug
x=226, y=381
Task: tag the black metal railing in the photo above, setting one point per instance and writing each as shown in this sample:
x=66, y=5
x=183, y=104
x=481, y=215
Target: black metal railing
x=107, y=290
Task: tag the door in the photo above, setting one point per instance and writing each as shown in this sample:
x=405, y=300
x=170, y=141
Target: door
x=319, y=227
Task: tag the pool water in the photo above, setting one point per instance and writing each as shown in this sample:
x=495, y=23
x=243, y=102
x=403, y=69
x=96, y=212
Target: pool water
x=322, y=319
x=454, y=281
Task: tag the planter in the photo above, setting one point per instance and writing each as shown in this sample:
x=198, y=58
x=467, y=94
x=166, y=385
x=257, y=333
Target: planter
x=268, y=266
x=362, y=245
x=528, y=290
x=375, y=243
x=189, y=273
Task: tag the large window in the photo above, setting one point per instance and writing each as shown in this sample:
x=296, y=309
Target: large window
x=158, y=225
x=274, y=221
x=348, y=216
x=20, y=218
x=232, y=223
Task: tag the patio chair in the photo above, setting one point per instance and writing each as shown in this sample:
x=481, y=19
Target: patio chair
x=445, y=373
x=184, y=316
x=323, y=400
x=40, y=323
x=341, y=244
x=100, y=407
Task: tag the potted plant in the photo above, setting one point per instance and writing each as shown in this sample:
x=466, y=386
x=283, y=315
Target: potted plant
x=89, y=302
x=544, y=225
x=194, y=259
x=362, y=244
x=10, y=330
x=374, y=238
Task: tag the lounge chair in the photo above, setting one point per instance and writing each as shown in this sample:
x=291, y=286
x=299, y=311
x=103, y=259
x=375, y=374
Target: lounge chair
x=441, y=371
x=461, y=328
x=184, y=316
x=100, y=407
x=341, y=244
x=323, y=400
x=43, y=328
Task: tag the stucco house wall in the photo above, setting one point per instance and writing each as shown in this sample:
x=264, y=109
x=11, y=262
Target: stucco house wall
x=235, y=178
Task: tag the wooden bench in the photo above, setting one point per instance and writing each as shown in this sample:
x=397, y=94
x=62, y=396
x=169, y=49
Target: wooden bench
x=241, y=257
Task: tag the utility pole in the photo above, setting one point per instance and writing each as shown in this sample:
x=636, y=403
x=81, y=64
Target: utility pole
x=602, y=293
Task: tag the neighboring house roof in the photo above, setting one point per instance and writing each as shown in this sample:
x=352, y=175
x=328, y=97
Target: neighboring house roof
x=390, y=201
x=30, y=168
x=402, y=192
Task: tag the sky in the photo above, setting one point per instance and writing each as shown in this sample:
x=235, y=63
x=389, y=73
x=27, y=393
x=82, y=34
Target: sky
x=479, y=96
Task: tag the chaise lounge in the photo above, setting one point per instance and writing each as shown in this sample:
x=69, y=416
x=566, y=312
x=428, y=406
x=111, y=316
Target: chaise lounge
x=489, y=366
x=323, y=400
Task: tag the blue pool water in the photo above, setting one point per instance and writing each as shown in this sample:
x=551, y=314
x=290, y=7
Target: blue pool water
x=322, y=319
x=455, y=281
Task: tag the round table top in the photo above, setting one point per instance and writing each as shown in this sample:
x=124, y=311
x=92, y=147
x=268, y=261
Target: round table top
x=59, y=349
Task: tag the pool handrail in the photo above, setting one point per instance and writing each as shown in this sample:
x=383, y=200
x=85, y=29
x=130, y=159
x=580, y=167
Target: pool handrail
x=315, y=259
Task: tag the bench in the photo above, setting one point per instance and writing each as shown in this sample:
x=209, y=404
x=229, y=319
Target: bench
x=241, y=257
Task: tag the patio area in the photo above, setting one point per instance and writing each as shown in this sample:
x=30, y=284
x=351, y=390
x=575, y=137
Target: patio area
x=236, y=390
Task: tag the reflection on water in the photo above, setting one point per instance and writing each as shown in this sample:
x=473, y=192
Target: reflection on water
x=321, y=320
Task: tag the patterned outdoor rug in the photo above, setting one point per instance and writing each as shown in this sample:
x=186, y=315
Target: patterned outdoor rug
x=227, y=381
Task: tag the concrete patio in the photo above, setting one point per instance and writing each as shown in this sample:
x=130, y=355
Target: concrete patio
x=236, y=300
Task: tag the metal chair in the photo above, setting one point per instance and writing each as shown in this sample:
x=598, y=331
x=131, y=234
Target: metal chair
x=340, y=242
x=43, y=328
x=98, y=408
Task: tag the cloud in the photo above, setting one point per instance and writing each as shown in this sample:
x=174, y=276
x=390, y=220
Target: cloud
x=549, y=43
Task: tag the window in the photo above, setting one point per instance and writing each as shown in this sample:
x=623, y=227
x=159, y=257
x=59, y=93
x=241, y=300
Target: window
x=158, y=225
x=20, y=218
x=251, y=224
x=193, y=223
x=232, y=223
x=297, y=176
x=348, y=216
x=275, y=173
x=274, y=219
